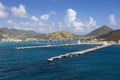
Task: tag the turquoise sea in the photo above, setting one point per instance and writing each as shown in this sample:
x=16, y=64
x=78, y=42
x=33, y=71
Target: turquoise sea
x=31, y=64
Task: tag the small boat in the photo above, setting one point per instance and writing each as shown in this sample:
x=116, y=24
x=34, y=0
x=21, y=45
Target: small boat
x=79, y=42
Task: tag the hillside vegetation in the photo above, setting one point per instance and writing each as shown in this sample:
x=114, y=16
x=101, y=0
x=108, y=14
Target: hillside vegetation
x=60, y=35
x=100, y=31
x=111, y=36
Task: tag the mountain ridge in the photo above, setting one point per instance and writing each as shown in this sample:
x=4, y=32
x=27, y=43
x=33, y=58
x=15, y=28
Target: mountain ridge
x=60, y=35
x=100, y=31
x=103, y=32
x=111, y=36
x=17, y=31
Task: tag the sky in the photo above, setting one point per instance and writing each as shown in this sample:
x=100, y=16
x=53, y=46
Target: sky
x=46, y=16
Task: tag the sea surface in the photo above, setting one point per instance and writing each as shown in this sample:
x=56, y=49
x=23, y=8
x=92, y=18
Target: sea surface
x=31, y=64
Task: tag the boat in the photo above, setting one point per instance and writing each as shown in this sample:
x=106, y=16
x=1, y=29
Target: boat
x=79, y=42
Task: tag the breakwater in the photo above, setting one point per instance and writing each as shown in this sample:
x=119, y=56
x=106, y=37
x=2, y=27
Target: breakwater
x=27, y=47
x=77, y=53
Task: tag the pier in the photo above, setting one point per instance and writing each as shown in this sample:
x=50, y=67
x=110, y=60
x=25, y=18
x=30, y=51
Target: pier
x=77, y=53
x=44, y=46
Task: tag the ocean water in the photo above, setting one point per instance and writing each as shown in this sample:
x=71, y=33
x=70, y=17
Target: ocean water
x=31, y=64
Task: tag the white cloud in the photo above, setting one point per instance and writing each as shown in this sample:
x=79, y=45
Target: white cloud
x=90, y=25
x=70, y=16
x=91, y=22
x=60, y=24
x=44, y=24
x=19, y=11
x=9, y=22
x=78, y=25
x=112, y=19
x=19, y=25
x=2, y=7
x=45, y=17
x=72, y=22
x=34, y=18
x=3, y=13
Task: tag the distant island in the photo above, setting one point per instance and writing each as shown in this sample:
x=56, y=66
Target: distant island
x=103, y=33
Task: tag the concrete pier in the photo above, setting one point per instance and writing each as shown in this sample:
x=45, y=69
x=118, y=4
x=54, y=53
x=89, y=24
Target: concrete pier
x=77, y=53
x=44, y=46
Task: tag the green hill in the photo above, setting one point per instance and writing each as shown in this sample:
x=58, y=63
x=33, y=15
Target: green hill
x=111, y=36
x=1, y=34
x=17, y=31
x=60, y=35
x=100, y=31
x=19, y=34
x=24, y=34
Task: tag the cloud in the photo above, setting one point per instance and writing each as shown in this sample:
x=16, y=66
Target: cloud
x=45, y=17
x=19, y=11
x=75, y=25
x=13, y=24
x=45, y=24
x=70, y=16
x=52, y=12
x=91, y=22
x=2, y=7
x=3, y=13
x=90, y=25
x=9, y=22
x=112, y=19
x=41, y=25
x=72, y=22
x=34, y=18
x=60, y=24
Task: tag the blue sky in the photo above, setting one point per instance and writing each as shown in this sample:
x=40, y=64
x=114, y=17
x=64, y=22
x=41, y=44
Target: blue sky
x=45, y=16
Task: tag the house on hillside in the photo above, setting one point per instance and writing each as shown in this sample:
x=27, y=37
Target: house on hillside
x=118, y=41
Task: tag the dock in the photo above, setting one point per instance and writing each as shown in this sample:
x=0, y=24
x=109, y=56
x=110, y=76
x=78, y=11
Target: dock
x=77, y=53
